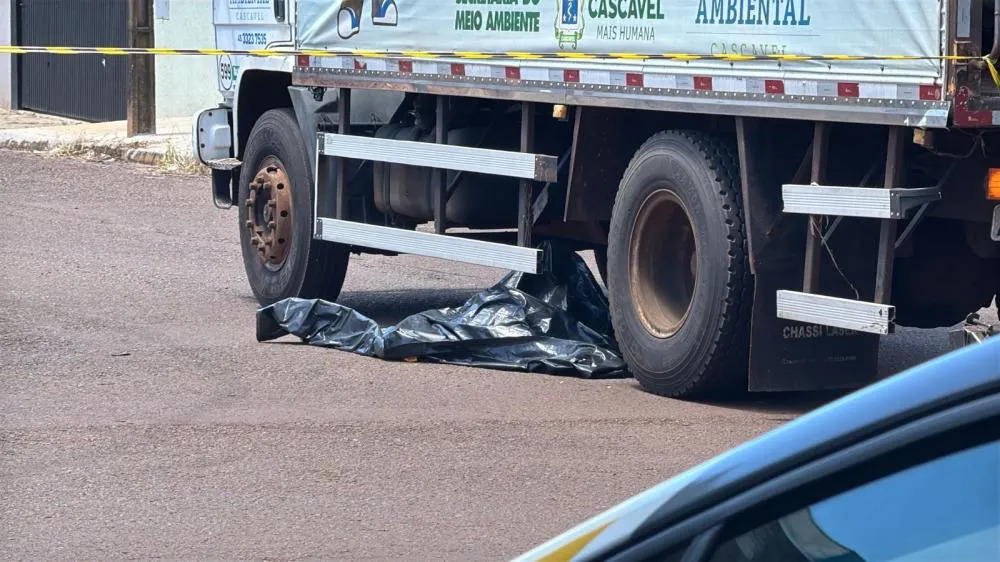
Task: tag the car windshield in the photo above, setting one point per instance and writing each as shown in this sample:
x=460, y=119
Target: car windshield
x=946, y=509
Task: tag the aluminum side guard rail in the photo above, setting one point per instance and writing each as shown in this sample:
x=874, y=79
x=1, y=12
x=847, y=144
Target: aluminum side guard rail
x=864, y=202
x=524, y=165
x=443, y=246
x=887, y=204
x=836, y=312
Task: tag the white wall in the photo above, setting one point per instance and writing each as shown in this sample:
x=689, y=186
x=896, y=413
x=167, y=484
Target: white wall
x=184, y=84
x=5, y=35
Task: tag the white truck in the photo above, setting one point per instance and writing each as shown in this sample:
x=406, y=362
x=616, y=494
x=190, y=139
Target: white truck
x=769, y=186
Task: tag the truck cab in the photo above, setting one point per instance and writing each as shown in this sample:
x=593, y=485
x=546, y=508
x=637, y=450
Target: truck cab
x=249, y=86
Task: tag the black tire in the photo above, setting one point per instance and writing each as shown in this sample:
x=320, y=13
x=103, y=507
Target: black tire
x=310, y=268
x=704, y=351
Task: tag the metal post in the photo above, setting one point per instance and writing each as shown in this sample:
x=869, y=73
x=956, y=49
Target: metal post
x=887, y=234
x=344, y=128
x=524, y=214
x=15, y=60
x=141, y=110
x=821, y=137
x=441, y=193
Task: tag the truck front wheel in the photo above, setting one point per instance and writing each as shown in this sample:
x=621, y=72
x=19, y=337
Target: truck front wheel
x=678, y=276
x=280, y=256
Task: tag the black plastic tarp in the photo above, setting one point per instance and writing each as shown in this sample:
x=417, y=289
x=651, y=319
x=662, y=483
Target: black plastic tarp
x=554, y=322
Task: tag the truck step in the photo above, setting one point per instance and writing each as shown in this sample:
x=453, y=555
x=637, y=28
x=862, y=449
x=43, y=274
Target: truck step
x=848, y=314
x=868, y=202
x=524, y=165
x=491, y=254
x=224, y=164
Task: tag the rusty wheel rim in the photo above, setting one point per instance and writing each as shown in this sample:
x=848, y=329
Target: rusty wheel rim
x=269, y=213
x=663, y=263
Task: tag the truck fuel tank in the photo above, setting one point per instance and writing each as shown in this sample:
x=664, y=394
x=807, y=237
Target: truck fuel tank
x=478, y=200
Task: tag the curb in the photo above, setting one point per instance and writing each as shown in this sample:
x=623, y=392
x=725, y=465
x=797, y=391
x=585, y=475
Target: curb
x=134, y=155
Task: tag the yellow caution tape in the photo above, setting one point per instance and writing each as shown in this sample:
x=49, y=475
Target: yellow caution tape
x=991, y=64
x=475, y=55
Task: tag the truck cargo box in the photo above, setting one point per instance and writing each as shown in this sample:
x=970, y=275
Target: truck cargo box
x=789, y=56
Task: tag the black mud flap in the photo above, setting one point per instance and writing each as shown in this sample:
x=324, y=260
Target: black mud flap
x=224, y=187
x=787, y=355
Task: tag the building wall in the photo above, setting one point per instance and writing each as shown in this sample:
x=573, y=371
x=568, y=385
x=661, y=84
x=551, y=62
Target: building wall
x=184, y=84
x=6, y=30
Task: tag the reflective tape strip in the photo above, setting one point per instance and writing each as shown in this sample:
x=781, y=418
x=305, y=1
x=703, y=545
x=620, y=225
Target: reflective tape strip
x=633, y=75
x=479, y=55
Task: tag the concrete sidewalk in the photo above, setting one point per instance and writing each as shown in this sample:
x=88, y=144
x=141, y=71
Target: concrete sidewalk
x=170, y=147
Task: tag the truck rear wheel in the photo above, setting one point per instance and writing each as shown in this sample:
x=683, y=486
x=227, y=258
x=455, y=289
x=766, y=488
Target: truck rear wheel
x=280, y=256
x=678, y=276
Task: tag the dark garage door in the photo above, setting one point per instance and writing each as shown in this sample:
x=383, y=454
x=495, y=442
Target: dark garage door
x=88, y=87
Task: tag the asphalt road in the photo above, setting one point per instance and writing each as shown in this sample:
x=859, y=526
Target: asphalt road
x=140, y=418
